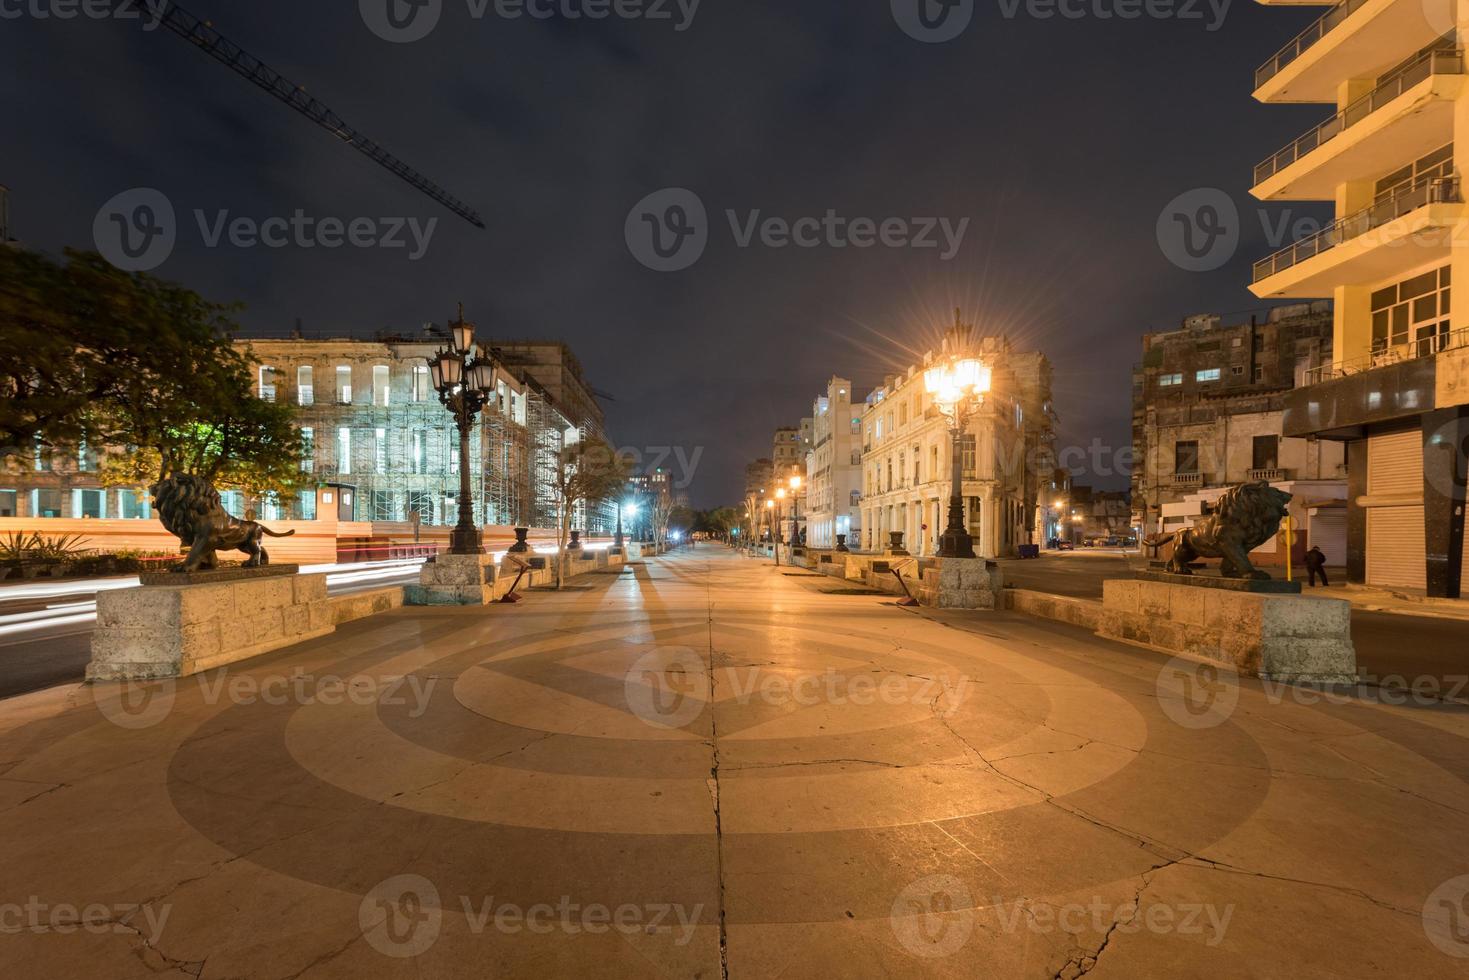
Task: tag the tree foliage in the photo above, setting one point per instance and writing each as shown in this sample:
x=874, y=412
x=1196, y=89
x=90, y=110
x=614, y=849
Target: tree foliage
x=124, y=360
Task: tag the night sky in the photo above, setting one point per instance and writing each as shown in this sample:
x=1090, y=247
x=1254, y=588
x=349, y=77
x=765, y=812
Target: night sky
x=1060, y=139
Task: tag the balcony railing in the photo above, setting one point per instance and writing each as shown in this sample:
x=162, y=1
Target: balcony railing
x=1188, y=479
x=1424, y=191
x=1304, y=40
x=1428, y=63
x=1268, y=475
x=1395, y=354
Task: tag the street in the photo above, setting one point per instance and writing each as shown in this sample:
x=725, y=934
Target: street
x=46, y=625
x=1392, y=648
x=707, y=766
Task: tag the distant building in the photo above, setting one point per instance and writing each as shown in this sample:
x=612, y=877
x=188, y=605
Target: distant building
x=833, y=489
x=758, y=475
x=1008, y=457
x=1208, y=403
x=1395, y=393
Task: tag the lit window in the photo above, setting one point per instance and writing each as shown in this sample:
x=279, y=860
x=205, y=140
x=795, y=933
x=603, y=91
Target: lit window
x=344, y=451
x=1165, y=380
x=420, y=382
x=267, y=383
x=344, y=385
x=1208, y=374
x=380, y=384
x=305, y=393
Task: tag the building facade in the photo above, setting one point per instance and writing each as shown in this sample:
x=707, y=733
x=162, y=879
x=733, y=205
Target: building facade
x=833, y=487
x=380, y=446
x=907, y=457
x=1396, y=390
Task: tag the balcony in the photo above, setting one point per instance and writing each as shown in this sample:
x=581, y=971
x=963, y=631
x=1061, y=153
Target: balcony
x=1187, y=480
x=1386, y=355
x=1268, y=475
x=1402, y=119
x=1355, y=39
x=1369, y=245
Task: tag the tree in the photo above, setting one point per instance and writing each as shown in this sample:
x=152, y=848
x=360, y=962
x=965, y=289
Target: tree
x=587, y=473
x=682, y=519
x=124, y=360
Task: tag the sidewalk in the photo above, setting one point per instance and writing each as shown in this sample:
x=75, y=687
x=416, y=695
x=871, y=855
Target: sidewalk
x=1404, y=602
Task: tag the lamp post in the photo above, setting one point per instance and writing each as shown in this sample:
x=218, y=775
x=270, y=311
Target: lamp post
x=774, y=523
x=630, y=509
x=465, y=381
x=958, y=385
x=795, y=514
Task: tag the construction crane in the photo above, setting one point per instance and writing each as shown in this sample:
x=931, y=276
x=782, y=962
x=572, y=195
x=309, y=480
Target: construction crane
x=203, y=36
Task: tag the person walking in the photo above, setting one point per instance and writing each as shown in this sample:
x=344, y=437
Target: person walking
x=1316, y=565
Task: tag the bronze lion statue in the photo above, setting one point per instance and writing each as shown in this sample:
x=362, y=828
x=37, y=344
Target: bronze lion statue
x=1243, y=519
x=189, y=507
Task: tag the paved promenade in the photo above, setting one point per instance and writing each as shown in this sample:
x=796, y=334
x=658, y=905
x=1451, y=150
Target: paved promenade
x=707, y=766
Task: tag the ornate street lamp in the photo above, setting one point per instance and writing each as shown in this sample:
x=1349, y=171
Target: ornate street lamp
x=958, y=385
x=465, y=381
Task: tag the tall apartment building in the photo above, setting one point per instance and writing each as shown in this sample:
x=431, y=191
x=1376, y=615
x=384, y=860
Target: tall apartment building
x=1396, y=392
x=789, y=448
x=907, y=457
x=834, y=468
x=1207, y=412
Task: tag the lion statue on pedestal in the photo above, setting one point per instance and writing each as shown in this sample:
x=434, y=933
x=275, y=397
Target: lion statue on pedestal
x=1244, y=518
x=189, y=507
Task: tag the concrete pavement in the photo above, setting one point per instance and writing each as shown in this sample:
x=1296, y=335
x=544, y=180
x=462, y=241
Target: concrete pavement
x=707, y=766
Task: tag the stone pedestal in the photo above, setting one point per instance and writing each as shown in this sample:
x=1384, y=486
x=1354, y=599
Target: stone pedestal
x=158, y=631
x=963, y=583
x=1282, y=637
x=453, y=580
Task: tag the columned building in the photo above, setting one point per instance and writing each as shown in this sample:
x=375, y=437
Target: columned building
x=1388, y=154
x=907, y=462
x=834, y=468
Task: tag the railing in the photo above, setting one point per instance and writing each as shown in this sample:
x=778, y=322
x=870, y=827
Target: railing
x=1267, y=475
x=1428, y=63
x=1425, y=190
x=1188, y=479
x=1304, y=40
x=1396, y=354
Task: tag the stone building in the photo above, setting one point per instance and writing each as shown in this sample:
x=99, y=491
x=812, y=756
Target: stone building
x=1008, y=457
x=833, y=488
x=1208, y=402
x=381, y=446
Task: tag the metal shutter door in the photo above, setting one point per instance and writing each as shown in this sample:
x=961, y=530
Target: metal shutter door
x=1329, y=533
x=1395, y=535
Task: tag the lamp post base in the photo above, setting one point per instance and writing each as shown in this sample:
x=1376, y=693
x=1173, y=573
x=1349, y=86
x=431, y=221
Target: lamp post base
x=465, y=541
x=956, y=544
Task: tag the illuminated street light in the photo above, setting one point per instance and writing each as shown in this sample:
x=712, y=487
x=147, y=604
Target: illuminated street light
x=958, y=385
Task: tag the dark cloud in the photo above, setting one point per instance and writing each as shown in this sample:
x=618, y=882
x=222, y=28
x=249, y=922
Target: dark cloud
x=1060, y=140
